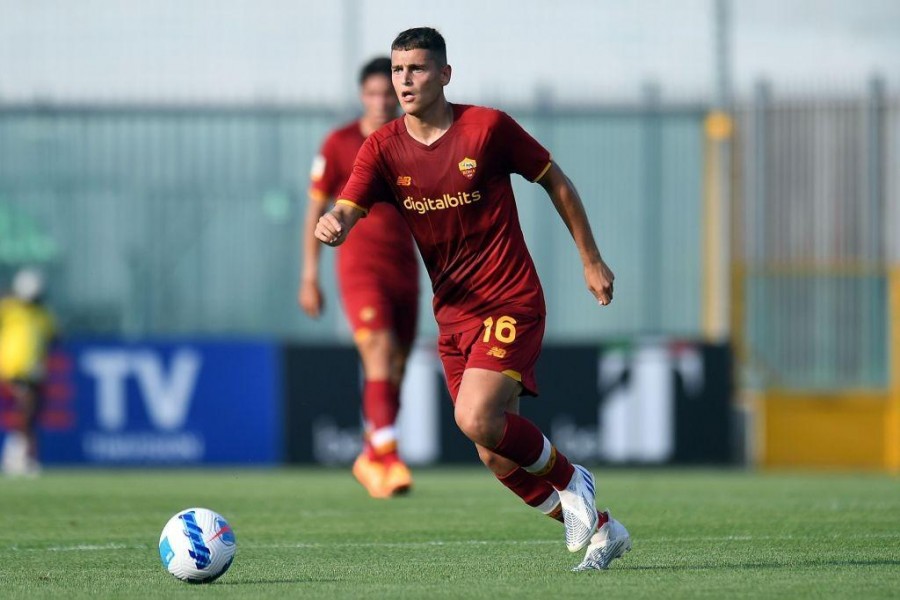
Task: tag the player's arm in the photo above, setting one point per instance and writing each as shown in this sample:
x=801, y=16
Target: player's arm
x=359, y=194
x=334, y=226
x=598, y=276
x=361, y=191
x=310, y=295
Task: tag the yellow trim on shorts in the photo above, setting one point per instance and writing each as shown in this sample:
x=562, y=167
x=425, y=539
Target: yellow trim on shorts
x=544, y=172
x=365, y=211
x=513, y=375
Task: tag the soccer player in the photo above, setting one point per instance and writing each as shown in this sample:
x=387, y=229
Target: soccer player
x=447, y=168
x=378, y=277
x=26, y=331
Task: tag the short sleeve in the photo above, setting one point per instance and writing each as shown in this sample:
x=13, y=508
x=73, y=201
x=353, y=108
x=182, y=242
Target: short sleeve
x=324, y=176
x=365, y=186
x=522, y=153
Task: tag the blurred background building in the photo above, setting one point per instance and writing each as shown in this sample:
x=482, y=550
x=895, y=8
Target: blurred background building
x=739, y=162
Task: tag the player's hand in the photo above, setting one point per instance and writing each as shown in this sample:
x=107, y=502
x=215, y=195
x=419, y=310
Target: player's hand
x=599, y=279
x=330, y=230
x=310, y=298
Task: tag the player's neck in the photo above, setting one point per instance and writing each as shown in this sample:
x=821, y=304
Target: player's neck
x=429, y=126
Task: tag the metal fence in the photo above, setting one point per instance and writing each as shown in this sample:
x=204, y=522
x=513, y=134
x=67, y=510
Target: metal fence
x=164, y=220
x=817, y=215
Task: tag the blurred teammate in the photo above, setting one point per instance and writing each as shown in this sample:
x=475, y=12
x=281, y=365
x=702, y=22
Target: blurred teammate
x=26, y=331
x=379, y=284
x=448, y=168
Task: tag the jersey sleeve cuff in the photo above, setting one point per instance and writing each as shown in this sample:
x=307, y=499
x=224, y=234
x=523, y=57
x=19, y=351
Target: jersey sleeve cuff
x=543, y=172
x=317, y=195
x=364, y=211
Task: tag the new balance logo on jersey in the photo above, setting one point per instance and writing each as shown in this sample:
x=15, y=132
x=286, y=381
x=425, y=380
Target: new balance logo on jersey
x=404, y=180
x=446, y=201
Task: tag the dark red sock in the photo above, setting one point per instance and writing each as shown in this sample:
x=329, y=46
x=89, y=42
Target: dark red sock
x=524, y=444
x=602, y=518
x=381, y=403
x=526, y=486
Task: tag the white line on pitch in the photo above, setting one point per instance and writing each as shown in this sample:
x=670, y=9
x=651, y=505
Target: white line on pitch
x=433, y=543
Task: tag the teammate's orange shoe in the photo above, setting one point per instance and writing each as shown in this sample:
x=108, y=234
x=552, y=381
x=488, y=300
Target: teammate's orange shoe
x=371, y=474
x=397, y=479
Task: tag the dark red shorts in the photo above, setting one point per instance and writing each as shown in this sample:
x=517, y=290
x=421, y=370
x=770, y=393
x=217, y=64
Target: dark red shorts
x=508, y=343
x=373, y=308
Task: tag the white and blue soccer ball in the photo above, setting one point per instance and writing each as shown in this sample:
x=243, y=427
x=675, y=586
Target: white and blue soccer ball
x=197, y=545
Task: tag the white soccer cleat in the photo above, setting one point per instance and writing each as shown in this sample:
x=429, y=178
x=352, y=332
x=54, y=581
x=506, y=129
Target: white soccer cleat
x=578, y=509
x=610, y=542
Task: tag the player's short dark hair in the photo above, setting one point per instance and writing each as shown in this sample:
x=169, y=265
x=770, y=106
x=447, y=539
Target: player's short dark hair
x=377, y=66
x=422, y=38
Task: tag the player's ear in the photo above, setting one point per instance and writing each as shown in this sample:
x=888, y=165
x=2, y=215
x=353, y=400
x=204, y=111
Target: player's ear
x=446, y=72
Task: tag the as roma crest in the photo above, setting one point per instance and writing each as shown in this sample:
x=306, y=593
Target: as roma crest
x=467, y=167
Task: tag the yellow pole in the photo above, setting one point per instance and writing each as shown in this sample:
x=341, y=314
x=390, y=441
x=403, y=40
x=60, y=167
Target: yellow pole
x=892, y=420
x=718, y=128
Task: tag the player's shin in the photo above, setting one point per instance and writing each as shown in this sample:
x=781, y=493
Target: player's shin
x=381, y=404
x=524, y=444
x=535, y=492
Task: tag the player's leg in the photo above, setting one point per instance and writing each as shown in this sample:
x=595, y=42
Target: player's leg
x=611, y=540
x=368, y=309
x=20, y=452
x=384, y=361
x=535, y=492
x=500, y=363
x=30, y=403
x=405, y=316
x=397, y=476
x=380, y=405
x=481, y=413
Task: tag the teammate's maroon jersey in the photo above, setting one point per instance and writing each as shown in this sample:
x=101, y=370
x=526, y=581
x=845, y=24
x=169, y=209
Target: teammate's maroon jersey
x=457, y=197
x=383, y=249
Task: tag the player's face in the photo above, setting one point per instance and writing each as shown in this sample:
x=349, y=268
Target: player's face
x=378, y=99
x=418, y=79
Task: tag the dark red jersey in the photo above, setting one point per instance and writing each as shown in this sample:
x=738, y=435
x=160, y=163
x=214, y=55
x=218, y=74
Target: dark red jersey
x=457, y=197
x=382, y=249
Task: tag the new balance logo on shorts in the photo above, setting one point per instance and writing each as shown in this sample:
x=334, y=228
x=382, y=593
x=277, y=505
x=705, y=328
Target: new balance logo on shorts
x=497, y=352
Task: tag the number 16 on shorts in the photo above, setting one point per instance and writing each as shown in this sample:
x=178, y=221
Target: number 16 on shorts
x=497, y=352
x=504, y=330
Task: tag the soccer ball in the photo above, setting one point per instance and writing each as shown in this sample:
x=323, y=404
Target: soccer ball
x=197, y=545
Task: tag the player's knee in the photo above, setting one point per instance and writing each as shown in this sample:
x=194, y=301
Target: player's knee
x=481, y=426
x=377, y=349
x=376, y=342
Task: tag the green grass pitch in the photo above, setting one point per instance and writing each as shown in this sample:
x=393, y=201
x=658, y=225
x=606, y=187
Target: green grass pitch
x=314, y=534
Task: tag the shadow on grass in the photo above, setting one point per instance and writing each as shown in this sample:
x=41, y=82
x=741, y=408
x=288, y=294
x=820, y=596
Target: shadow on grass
x=277, y=580
x=762, y=565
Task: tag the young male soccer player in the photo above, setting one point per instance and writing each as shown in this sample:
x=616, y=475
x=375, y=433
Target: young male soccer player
x=447, y=167
x=379, y=283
